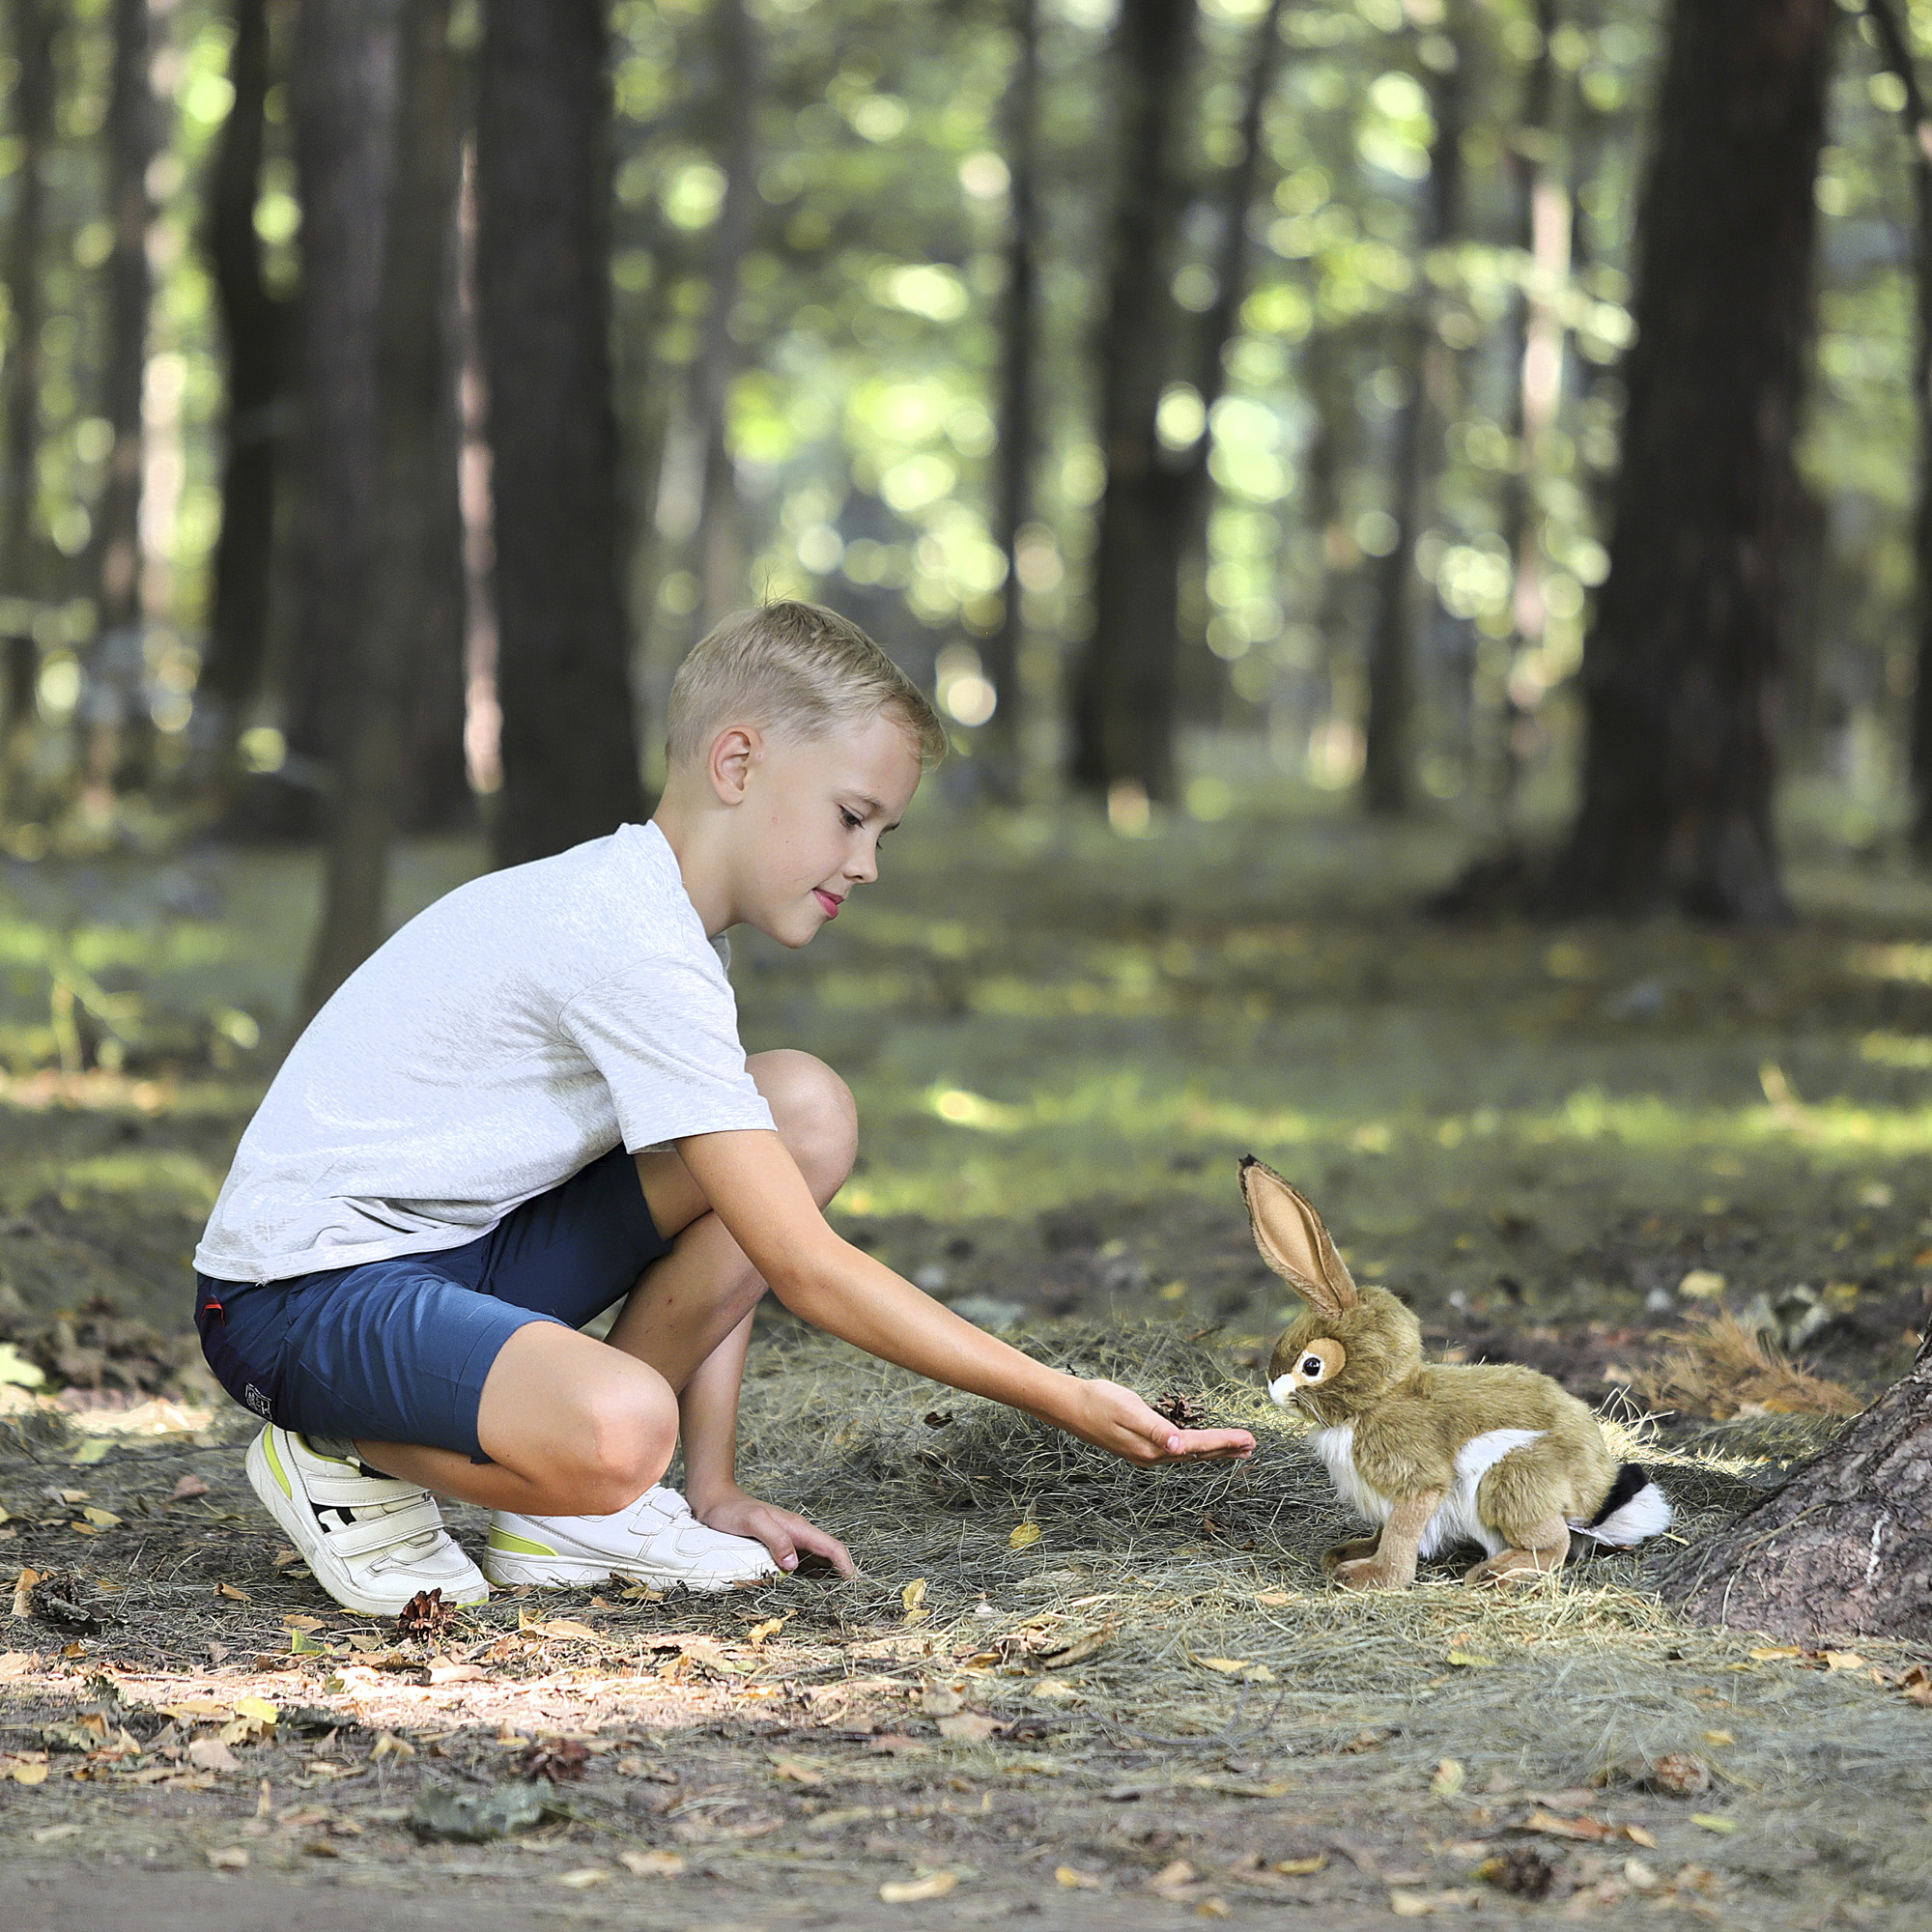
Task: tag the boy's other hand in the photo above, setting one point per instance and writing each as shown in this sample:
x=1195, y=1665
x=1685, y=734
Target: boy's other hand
x=1115, y=1419
x=786, y=1535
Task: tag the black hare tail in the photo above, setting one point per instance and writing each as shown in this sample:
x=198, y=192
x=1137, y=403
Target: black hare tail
x=1634, y=1511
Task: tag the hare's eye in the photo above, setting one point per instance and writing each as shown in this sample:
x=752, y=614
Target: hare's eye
x=1313, y=1367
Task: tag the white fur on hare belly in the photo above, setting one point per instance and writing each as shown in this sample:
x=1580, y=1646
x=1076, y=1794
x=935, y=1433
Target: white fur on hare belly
x=1454, y=1520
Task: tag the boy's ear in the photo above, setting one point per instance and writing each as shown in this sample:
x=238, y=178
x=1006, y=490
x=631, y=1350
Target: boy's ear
x=733, y=752
x=1293, y=1241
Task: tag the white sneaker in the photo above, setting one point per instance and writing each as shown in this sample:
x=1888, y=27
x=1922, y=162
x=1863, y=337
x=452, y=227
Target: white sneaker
x=655, y=1539
x=371, y=1542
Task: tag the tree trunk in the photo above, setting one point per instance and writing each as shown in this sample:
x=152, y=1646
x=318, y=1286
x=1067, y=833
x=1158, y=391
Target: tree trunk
x=21, y=559
x=1680, y=669
x=720, y=544
x=1391, y=667
x=1537, y=352
x=115, y=672
x=1124, y=690
x=1895, y=47
x=1019, y=433
x=569, y=733
x=1844, y=1547
x=255, y=328
x=345, y=81
x=412, y=458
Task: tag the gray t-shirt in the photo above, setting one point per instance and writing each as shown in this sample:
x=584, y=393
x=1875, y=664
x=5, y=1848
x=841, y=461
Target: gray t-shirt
x=504, y=1038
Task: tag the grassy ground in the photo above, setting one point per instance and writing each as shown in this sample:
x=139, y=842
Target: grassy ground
x=1057, y=1683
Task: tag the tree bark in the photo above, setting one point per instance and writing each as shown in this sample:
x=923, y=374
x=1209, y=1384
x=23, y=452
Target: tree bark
x=1844, y=1547
x=720, y=546
x=1391, y=667
x=255, y=329
x=1124, y=690
x=1018, y=444
x=1895, y=48
x=1680, y=669
x=413, y=475
x=569, y=733
x=116, y=661
x=22, y=558
x=345, y=93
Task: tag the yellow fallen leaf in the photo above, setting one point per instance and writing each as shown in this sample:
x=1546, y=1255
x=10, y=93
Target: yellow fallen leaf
x=759, y=1633
x=259, y=1709
x=1844, y=1659
x=1701, y=1285
x=968, y=1727
x=23, y=1592
x=583, y=1877
x=1212, y=1908
x=1074, y=1879
x=1774, y=1652
x=652, y=1865
x=211, y=1754
x=1714, y=1820
x=1274, y=1600
x=1448, y=1779
x=230, y=1858
x=1229, y=1666
x=1024, y=1535
x=29, y=1774
x=570, y=1627
x=912, y=1600
x=93, y=1450
x=101, y=1518
x=229, y=1591
x=388, y=1745
x=1468, y=1660
x=1638, y=1836
x=1172, y=1877
x=1301, y=1867
x=1718, y=1738
x=910, y=1891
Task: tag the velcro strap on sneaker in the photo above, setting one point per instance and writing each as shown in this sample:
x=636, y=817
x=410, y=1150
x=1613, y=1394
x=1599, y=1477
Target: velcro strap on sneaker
x=349, y=1490
x=372, y=1533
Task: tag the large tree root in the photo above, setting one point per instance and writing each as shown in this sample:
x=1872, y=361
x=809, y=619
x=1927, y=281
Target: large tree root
x=1844, y=1547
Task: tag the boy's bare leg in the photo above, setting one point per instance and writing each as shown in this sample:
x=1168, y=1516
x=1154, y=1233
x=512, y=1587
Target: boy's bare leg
x=577, y=1426
x=573, y=1427
x=687, y=1303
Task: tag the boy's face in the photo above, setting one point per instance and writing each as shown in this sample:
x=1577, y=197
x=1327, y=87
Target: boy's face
x=813, y=813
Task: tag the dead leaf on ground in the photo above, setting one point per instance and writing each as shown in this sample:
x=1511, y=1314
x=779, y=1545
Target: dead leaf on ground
x=1076, y=1879
x=912, y=1892
x=968, y=1727
x=1024, y=1535
x=1172, y=1877
x=230, y=1858
x=234, y=1595
x=187, y=1489
x=583, y=1877
x=211, y=1754
x=1301, y=1867
x=652, y=1865
x=1587, y=1831
x=797, y=1770
x=912, y=1601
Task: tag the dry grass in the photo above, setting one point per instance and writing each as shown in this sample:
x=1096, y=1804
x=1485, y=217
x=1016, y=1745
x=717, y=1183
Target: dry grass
x=1722, y=1369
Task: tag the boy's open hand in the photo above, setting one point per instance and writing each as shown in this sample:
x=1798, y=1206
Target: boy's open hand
x=787, y=1536
x=1115, y=1418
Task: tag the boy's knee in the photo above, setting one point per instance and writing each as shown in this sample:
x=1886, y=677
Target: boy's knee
x=815, y=1113
x=626, y=1444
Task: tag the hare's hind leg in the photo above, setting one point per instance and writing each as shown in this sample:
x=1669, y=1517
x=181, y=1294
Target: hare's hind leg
x=1523, y=1499
x=1357, y=1549
x=1543, y=1546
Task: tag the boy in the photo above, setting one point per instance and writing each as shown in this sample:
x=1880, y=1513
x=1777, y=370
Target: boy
x=531, y=1104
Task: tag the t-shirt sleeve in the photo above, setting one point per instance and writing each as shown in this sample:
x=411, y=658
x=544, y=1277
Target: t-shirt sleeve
x=663, y=1036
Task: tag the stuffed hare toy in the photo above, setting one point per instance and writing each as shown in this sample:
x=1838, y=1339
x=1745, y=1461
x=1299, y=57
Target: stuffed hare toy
x=1497, y=1455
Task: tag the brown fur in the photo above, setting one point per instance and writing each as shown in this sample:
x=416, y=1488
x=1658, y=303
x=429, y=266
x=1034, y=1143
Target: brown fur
x=1411, y=1417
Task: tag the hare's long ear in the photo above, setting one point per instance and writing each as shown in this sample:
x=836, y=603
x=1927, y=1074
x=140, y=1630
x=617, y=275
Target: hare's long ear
x=1293, y=1241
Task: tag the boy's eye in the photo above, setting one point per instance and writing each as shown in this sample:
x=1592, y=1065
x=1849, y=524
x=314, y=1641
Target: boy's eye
x=850, y=820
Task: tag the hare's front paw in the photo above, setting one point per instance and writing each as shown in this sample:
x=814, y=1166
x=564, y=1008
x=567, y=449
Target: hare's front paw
x=1357, y=1549
x=1368, y=1572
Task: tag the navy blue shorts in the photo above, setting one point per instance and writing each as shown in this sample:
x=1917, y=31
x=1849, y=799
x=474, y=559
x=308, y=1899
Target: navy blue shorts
x=397, y=1351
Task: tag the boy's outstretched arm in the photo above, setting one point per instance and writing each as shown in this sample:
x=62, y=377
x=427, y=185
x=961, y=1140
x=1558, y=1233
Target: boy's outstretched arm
x=756, y=1191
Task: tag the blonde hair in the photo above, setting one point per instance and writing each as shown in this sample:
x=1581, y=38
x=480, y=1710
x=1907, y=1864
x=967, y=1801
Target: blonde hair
x=797, y=668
